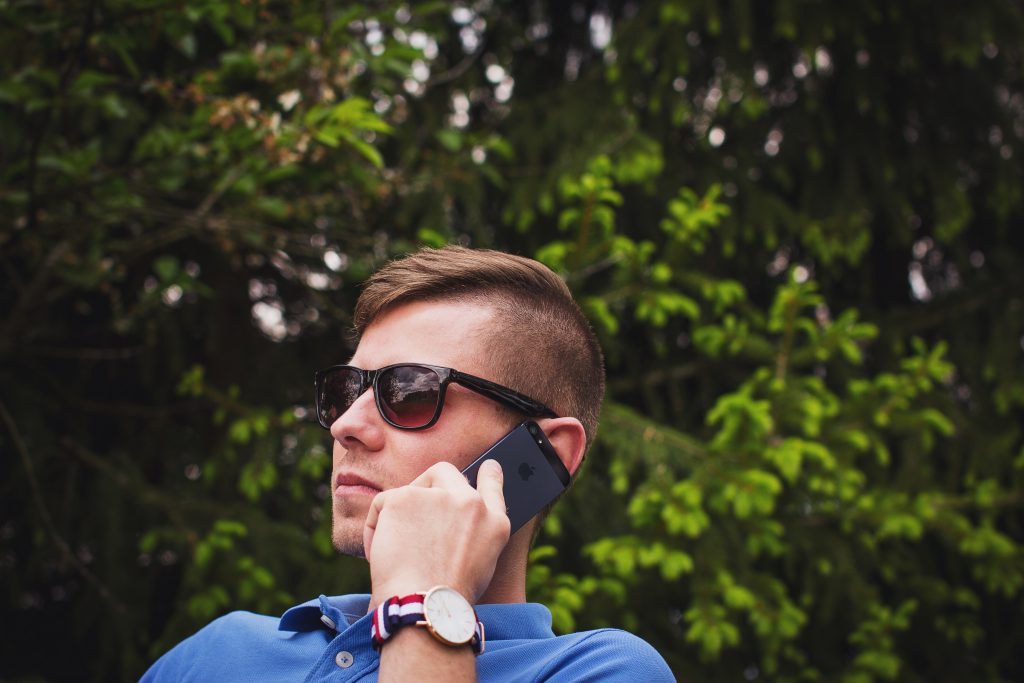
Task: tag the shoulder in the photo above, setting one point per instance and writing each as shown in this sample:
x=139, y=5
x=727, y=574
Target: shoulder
x=606, y=655
x=609, y=655
x=213, y=646
x=234, y=630
x=522, y=647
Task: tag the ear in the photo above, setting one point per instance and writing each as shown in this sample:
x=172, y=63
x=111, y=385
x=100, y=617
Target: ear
x=568, y=437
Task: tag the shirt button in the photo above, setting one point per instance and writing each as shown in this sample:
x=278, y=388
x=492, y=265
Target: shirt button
x=344, y=659
x=328, y=622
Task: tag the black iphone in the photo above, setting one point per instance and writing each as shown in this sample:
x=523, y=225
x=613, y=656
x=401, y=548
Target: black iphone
x=534, y=474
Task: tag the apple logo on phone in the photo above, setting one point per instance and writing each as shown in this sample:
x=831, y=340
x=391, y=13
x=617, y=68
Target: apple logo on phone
x=526, y=471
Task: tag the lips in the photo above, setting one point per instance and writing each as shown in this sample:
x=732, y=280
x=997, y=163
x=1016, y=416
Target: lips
x=349, y=484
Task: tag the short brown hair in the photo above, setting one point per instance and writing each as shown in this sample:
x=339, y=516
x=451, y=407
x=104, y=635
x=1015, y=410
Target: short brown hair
x=555, y=357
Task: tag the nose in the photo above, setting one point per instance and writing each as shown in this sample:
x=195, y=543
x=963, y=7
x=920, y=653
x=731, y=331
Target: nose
x=361, y=425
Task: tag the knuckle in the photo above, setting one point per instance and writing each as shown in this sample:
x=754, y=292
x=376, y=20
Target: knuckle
x=471, y=503
x=405, y=497
x=502, y=528
x=441, y=467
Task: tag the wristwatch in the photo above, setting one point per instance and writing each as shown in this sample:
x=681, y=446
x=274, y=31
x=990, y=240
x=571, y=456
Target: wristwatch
x=442, y=610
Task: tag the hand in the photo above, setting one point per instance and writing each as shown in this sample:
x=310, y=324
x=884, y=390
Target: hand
x=437, y=530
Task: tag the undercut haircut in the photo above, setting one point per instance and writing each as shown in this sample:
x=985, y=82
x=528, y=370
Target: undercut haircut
x=539, y=342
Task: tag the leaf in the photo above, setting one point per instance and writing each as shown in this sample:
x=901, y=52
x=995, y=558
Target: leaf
x=431, y=238
x=167, y=268
x=240, y=431
x=367, y=150
x=675, y=564
x=229, y=527
x=450, y=139
x=598, y=311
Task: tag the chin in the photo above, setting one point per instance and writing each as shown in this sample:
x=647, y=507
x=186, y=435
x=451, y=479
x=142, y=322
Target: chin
x=346, y=542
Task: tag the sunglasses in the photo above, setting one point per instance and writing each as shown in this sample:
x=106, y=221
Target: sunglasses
x=408, y=395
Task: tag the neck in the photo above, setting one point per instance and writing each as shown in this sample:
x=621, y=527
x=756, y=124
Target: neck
x=509, y=582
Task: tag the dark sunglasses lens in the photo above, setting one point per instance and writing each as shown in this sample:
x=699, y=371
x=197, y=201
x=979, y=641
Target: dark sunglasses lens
x=338, y=390
x=409, y=395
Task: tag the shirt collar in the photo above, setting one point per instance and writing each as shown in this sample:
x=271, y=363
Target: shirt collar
x=515, y=621
x=339, y=610
x=529, y=620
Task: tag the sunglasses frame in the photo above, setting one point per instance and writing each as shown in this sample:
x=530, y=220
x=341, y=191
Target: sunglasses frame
x=496, y=392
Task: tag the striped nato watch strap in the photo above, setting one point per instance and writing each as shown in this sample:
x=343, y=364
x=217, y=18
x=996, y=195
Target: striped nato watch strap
x=399, y=611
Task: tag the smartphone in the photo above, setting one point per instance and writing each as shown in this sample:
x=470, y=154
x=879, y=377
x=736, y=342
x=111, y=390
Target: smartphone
x=534, y=474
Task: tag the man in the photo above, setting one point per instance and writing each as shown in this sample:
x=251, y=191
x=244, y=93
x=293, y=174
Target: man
x=411, y=409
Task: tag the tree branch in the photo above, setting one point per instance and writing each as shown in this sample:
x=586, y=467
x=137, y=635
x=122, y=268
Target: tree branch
x=457, y=70
x=28, y=295
x=86, y=354
x=37, y=497
x=659, y=376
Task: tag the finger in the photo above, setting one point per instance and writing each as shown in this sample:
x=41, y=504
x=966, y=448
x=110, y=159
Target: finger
x=440, y=475
x=490, y=482
x=372, y=517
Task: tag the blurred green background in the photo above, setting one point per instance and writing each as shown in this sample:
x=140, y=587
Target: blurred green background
x=795, y=225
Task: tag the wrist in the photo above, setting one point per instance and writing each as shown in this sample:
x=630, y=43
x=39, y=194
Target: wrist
x=408, y=585
x=442, y=611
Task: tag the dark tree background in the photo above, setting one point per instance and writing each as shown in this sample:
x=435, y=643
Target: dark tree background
x=796, y=226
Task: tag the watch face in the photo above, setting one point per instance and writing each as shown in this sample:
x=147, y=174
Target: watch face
x=450, y=615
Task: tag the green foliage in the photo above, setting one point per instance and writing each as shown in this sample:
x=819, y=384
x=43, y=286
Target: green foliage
x=794, y=226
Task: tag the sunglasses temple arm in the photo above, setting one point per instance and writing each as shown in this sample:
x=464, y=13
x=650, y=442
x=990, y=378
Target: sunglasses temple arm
x=498, y=393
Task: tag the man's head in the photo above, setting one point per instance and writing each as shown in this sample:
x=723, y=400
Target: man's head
x=538, y=342
x=500, y=317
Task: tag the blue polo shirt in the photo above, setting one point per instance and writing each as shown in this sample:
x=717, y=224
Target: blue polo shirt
x=328, y=639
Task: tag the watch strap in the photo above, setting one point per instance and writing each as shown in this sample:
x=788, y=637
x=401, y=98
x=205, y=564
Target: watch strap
x=399, y=611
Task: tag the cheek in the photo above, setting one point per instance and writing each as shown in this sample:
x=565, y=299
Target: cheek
x=410, y=454
x=470, y=414
x=419, y=454
x=474, y=439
